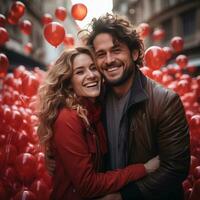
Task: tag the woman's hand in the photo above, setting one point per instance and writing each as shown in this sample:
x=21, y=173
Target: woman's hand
x=152, y=164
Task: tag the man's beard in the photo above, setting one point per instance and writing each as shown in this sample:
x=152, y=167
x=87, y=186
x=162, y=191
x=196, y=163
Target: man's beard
x=126, y=75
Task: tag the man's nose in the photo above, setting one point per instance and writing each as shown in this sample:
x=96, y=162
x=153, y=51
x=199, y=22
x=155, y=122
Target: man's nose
x=109, y=58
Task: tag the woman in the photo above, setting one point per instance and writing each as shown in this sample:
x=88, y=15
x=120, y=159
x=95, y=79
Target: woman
x=70, y=126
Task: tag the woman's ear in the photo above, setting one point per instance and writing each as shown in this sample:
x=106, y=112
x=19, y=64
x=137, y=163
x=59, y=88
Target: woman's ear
x=135, y=54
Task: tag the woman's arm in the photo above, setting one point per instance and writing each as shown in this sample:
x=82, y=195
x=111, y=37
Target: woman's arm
x=73, y=150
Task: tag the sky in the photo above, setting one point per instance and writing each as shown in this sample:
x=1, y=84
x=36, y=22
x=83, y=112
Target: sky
x=95, y=8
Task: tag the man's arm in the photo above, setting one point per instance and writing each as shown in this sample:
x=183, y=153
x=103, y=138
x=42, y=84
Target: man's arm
x=173, y=147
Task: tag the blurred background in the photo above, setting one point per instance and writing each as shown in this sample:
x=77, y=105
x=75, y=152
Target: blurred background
x=168, y=17
x=32, y=35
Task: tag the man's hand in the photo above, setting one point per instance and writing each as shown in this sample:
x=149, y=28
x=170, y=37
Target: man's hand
x=113, y=196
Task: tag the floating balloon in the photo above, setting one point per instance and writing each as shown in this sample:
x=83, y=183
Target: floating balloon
x=30, y=85
x=154, y=57
x=177, y=43
x=158, y=34
x=17, y=9
x=26, y=27
x=26, y=167
x=12, y=19
x=25, y=195
x=143, y=30
x=157, y=75
x=69, y=40
x=168, y=52
x=2, y=20
x=61, y=13
x=40, y=189
x=146, y=71
x=28, y=48
x=79, y=11
x=4, y=36
x=54, y=33
x=46, y=18
x=4, y=64
x=182, y=61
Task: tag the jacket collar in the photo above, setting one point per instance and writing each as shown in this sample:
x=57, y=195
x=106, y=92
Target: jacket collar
x=138, y=93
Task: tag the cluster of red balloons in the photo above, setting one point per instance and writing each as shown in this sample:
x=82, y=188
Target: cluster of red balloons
x=54, y=32
x=173, y=76
x=16, y=12
x=22, y=165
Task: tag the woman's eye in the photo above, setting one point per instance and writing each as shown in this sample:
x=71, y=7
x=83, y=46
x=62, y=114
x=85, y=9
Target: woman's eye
x=79, y=72
x=93, y=68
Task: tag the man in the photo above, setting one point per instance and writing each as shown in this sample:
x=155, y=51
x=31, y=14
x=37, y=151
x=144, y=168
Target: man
x=142, y=118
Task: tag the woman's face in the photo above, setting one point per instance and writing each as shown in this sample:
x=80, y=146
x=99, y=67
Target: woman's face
x=86, y=80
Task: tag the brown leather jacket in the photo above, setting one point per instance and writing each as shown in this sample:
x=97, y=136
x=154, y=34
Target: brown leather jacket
x=158, y=126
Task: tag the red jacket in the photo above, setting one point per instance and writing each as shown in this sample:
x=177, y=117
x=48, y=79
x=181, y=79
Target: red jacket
x=78, y=152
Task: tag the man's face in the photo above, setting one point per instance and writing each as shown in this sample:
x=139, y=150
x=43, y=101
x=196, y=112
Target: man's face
x=114, y=59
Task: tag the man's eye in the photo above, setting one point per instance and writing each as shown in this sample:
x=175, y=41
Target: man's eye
x=116, y=50
x=100, y=55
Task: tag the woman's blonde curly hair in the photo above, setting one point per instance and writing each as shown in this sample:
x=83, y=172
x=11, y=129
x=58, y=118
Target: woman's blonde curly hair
x=56, y=93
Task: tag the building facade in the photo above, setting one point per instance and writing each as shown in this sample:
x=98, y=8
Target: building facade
x=42, y=53
x=176, y=17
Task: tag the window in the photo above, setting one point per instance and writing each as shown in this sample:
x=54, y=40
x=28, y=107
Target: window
x=188, y=22
x=167, y=26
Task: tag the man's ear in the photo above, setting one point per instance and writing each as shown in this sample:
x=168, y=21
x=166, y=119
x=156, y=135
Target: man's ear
x=135, y=54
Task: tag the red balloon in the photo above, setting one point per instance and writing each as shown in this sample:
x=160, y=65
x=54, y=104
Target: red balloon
x=157, y=75
x=47, y=18
x=12, y=19
x=26, y=27
x=17, y=9
x=68, y=40
x=143, y=30
x=195, y=193
x=30, y=85
x=177, y=43
x=4, y=64
x=2, y=20
x=183, y=86
x=25, y=195
x=10, y=152
x=195, y=121
x=79, y=11
x=40, y=189
x=4, y=37
x=146, y=71
x=9, y=174
x=3, y=192
x=154, y=57
x=158, y=34
x=168, y=52
x=196, y=172
x=61, y=13
x=28, y=48
x=54, y=33
x=182, y=61
x=26, y=167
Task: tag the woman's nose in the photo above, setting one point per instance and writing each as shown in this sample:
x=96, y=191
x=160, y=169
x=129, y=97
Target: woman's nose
x=90, y=74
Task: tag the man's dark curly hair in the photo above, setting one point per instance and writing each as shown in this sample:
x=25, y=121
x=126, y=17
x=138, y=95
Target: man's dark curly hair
x=121, y=30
